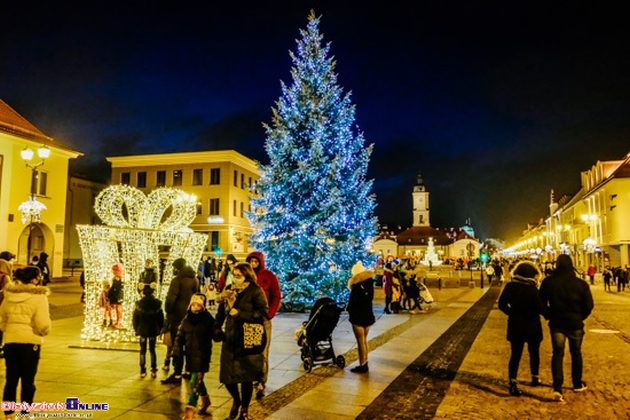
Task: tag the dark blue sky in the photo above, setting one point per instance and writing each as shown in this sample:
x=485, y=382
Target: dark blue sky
x=494, y=103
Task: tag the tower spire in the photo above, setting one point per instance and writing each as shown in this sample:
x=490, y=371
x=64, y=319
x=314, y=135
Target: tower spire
x=420, y=203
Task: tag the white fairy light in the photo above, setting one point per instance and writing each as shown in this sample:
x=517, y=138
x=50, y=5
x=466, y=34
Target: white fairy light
x=137, y=226
x=31, y=210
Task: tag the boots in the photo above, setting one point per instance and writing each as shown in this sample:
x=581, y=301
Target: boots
x=205, y=404
x=360, y=368
x=189, y=414
x=514, y=391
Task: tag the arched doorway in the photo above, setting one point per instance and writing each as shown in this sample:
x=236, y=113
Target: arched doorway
x=42, y=240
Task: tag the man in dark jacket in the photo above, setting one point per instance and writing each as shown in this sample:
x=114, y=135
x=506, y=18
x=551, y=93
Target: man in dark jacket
x=270, y=285
x=567, y=302
x=182, y=287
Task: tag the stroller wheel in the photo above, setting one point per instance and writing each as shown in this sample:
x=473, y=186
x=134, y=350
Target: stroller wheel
x=340, y=361
x=308, y=364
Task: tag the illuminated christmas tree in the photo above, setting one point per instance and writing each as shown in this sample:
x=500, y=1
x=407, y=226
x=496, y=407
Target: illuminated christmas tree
x=313, y=215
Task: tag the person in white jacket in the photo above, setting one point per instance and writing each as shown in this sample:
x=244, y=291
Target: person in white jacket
x=25, y=320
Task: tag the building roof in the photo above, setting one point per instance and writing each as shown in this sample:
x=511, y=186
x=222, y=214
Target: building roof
x=161, y=159
x=419, y=235
x=11, y=122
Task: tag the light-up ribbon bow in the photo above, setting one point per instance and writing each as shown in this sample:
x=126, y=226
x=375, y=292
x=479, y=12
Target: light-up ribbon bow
x=126, y=206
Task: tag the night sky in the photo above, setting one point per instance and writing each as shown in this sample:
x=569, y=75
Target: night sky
x=495, y=104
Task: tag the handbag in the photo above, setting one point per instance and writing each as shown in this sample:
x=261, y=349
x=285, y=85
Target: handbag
x=252, y=337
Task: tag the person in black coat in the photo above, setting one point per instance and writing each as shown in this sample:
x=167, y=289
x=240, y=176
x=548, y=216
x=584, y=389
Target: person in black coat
x=242, y=301
x=195, y=334
x=181, y=289
x=148, y=321
x=42, y=264
x=520, y=301
x=360, y=310
x=148, y=275
x=567, y=302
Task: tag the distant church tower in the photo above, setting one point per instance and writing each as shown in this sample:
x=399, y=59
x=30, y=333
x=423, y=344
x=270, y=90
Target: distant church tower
x=420, y=203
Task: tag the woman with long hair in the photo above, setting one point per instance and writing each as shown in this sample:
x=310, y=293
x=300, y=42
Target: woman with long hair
x=242, y=301
x=25, y=320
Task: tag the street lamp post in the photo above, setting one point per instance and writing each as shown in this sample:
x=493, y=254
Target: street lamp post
x=31, y=209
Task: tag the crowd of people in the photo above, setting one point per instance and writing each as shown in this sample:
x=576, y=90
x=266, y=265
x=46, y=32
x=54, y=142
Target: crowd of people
x=248, y=297
x=404, y=290
x=235, y=302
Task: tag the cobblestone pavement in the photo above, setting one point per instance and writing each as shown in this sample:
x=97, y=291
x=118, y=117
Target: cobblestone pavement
x=479, y=391
x=419, y=389
x=305, y=383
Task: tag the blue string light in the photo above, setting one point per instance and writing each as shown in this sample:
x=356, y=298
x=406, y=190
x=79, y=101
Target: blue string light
x=313, y=215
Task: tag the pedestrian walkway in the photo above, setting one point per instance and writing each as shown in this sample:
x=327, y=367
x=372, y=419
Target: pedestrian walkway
x=404, y=353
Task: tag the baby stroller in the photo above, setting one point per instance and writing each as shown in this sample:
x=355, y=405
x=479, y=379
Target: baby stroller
x=315, y=335
x=425, y=295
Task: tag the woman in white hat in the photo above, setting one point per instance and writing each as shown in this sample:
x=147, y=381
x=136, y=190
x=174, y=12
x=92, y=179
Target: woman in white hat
x=359, y=307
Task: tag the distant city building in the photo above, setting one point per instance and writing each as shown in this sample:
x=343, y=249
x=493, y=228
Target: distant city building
x=47, y=183
x=79, y=210
x=592, y=225
x=221, y=181
x=449, y=243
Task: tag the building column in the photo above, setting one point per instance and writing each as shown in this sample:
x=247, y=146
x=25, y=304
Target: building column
x=624, y=254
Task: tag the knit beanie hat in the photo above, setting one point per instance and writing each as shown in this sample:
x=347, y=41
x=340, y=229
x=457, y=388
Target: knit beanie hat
x=118, y=269
x=198, y=298
x=357, y=268
x=147, y=288
x=179, y=264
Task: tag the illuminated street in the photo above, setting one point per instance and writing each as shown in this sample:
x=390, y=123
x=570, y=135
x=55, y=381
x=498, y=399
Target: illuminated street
x=400, y=346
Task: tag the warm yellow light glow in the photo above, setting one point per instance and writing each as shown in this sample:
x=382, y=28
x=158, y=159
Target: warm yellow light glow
x=138, y=227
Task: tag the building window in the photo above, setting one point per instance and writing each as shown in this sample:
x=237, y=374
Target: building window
x=39, y=182
x=236, y=178
x=243, y=181
x=160, y=179
x=197, y=176
x=125, y=178
x=177, y=177
x=214, y=207
x=234, y=209
x=249, y=183
x=215, y=176
x=214, y=240
x=142, y=179
x=242, y=209
x=199, y=209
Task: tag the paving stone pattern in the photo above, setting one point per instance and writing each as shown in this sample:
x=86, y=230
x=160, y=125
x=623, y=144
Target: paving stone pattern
x=480, y=389
x=419, y=389
x=287, y=394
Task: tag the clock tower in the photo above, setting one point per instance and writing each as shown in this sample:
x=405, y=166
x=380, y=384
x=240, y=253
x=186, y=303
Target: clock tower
x=420, y=203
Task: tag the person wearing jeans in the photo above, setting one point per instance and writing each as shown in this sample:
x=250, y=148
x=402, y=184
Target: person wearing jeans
x=558, y=339
x=567, y=302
